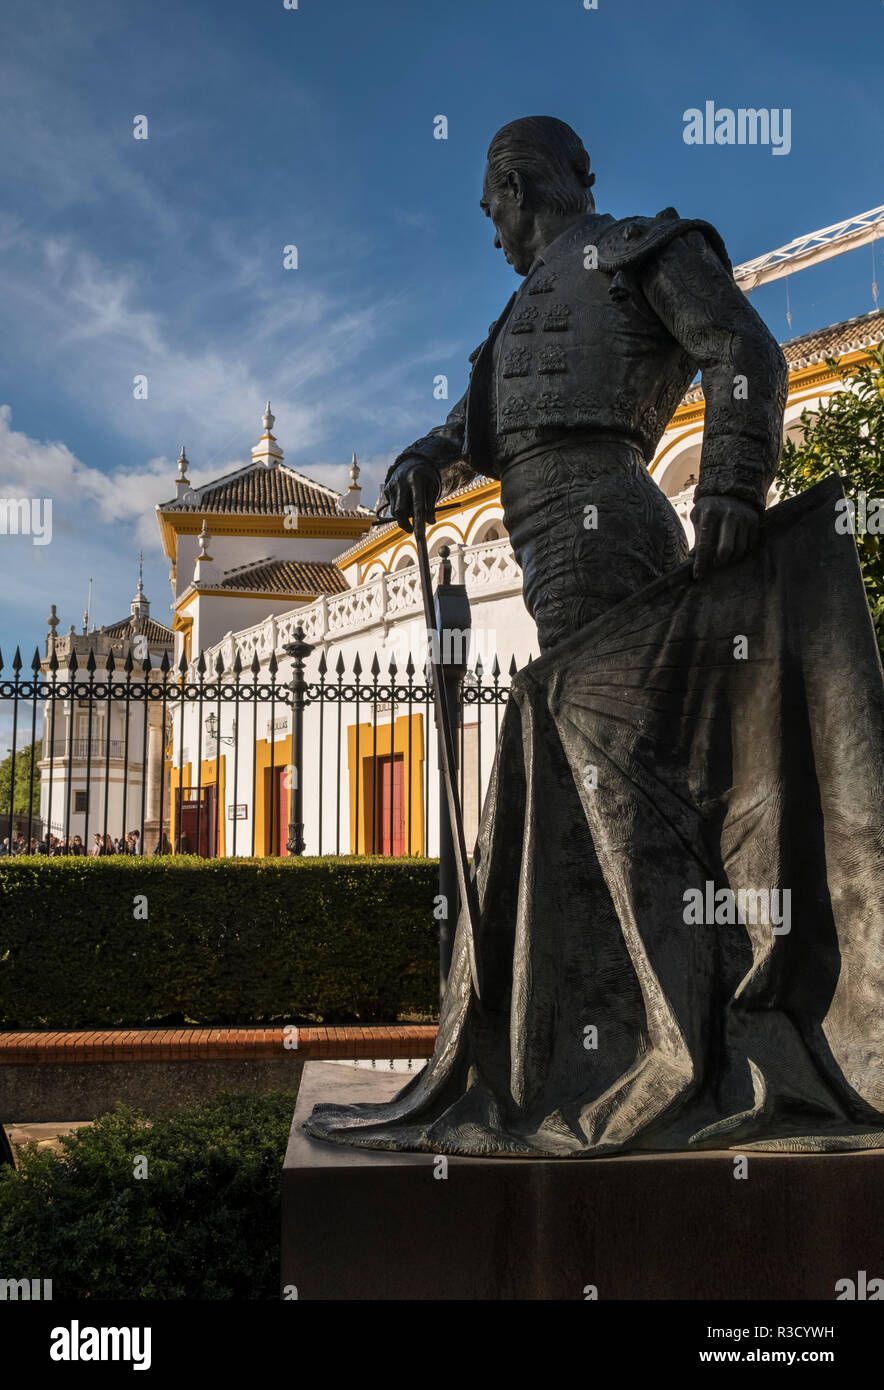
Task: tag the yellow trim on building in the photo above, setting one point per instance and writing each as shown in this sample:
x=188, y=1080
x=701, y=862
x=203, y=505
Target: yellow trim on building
x=447, y=525
x=673, y=444
x=405, y=546
x=299, y=595
x=175, y=524
x=480, y=517
x=177, y=780
x=265, y=787
x=183, y=623
x=321, y=526
x=360, y=834
x=372, y=548
x=213, y=774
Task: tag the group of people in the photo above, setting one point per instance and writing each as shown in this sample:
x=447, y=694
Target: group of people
x=53, y=845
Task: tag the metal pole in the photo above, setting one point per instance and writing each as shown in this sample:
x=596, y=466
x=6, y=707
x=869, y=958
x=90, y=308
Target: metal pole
x=436, y=626
x=297, y=650
x=448, y=888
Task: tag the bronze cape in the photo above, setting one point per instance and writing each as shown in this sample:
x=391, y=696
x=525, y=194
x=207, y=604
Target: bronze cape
x=757, y=773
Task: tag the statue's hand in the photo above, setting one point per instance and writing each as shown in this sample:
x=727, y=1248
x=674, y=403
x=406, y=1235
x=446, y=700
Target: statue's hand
x=412, y=491
x=726, y=529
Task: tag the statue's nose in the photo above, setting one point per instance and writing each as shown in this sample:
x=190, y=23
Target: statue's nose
x=497, y=241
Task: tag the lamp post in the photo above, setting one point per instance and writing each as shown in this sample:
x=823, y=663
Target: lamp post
x=298, y=650
x=211, y=723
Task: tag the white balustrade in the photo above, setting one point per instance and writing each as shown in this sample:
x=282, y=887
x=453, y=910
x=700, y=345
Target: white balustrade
x=488, y=568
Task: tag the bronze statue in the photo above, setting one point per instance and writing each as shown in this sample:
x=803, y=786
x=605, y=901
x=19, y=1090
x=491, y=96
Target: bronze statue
x=678, y=865
x=578, y=378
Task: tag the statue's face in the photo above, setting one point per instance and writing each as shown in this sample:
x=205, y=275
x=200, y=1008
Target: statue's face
x=512, y=224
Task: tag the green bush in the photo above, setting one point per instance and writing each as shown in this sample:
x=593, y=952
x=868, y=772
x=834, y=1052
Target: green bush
x=225, y=941
x=202, y=1223
x=845, y=436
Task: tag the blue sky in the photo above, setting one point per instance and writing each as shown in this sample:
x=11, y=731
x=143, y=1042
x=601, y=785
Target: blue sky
x=314, y=126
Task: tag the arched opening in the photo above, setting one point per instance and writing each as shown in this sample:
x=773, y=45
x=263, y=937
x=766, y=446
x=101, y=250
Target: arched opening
x=437, y=544
x=491, y=531
x=680, y=472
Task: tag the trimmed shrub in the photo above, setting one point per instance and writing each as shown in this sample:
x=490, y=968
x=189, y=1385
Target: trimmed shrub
x=224, y=941
x=202, y=1224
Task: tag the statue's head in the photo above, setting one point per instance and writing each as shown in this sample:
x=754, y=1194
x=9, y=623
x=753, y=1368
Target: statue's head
x=536, y=165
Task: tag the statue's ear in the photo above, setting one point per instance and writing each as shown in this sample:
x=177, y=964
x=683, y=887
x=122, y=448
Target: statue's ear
x=516, y=185
x=668, y=214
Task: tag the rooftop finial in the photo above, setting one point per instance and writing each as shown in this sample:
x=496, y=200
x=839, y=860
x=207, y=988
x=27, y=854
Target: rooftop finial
x=183, y=491
x=350, y=500
x=267, y=452
x=205, y=571
x=52, y=620
x=139, y=607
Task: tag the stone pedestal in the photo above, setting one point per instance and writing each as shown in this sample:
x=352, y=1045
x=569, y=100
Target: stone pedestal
x=366, y=1224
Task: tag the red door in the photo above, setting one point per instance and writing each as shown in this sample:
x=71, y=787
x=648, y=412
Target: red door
x=198, y=825
x=391, y=805
x=283, y=795
x=210, y=817
x=187, y=824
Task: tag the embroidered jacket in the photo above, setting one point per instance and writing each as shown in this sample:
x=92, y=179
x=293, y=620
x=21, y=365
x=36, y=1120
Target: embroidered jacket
x=605, y=334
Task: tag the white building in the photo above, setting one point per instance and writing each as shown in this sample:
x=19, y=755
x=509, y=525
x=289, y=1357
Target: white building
x=352, y=586
x=264, y=550
x=103, y=760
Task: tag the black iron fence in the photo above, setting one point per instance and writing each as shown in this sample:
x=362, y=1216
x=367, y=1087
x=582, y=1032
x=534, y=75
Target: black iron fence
x=126, y=753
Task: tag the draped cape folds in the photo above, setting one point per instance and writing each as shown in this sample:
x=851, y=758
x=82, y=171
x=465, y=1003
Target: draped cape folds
x=702, y=736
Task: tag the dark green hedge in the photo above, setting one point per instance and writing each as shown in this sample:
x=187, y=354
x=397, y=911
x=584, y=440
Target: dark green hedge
x=225, y=941
x=202, y=1223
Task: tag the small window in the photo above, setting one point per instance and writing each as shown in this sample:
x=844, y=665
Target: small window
x=81, y=802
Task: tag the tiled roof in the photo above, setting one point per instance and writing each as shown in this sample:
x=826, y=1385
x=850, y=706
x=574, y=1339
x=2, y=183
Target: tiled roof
x=866, y=330
x=258, y=490
x=862, y=331
x=286, y=577
x=155, y=632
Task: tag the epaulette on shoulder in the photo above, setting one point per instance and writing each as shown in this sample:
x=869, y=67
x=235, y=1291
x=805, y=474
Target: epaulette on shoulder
x=631, y=240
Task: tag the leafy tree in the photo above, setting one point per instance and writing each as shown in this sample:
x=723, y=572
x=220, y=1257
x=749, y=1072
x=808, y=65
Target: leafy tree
x=846, y=436
x=27, y=785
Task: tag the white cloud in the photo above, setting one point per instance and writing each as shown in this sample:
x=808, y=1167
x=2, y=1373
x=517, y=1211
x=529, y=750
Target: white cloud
x=85, y=325
x=99, y=522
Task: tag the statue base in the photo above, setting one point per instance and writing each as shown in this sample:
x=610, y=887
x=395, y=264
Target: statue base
x=369, y=1224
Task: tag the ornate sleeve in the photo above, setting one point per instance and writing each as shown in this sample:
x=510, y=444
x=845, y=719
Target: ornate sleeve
x=744, y=373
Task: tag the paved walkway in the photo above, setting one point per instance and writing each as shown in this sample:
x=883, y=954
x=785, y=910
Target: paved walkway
x=46, y=1136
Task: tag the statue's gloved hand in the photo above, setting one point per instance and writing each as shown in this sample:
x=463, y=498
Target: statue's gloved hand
x=412, y=491
x=726, y=529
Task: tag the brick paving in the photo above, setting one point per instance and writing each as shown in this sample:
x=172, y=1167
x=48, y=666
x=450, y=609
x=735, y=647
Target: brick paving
x=215, y=1044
